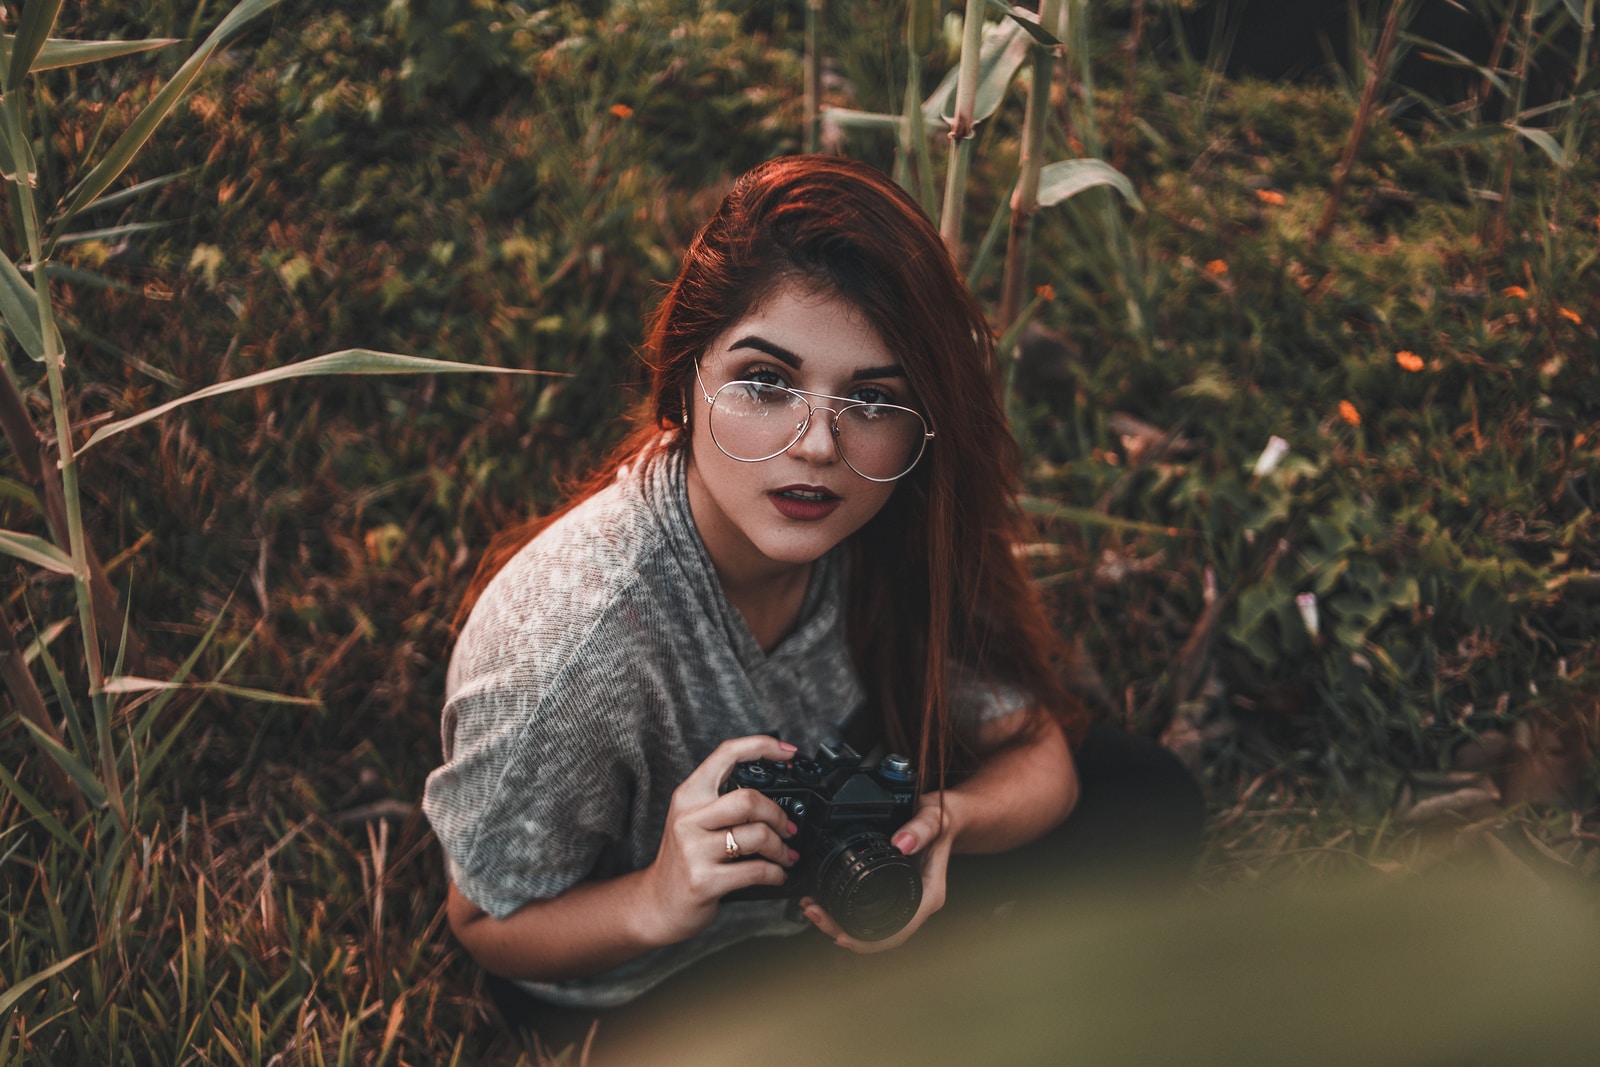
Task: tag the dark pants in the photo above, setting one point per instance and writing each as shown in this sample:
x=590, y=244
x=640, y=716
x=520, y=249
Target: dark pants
x=1137, y=822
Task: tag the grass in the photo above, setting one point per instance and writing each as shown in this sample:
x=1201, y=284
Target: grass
x=340, y=183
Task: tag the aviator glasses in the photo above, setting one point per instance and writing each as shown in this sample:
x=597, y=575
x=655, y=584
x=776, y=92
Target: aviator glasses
x=755, y=421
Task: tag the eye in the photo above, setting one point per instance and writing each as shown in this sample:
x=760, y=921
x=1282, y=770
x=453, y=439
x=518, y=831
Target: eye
x=762, y=374
x=872, y=394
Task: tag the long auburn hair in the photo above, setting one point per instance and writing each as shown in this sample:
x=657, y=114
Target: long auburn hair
x=937, y=592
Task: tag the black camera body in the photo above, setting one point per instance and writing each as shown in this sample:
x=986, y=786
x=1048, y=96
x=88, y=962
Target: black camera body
x=844, y=817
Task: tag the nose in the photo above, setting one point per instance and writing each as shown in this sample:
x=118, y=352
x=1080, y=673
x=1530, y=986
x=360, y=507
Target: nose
x=817, y=443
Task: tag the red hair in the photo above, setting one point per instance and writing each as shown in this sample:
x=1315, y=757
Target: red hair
x=936, y=583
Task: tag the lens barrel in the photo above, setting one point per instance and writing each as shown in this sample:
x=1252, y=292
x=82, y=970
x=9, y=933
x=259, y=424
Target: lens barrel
x=868, y=886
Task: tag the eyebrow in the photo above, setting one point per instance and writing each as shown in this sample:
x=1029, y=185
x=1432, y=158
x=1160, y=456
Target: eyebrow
x=793, y=361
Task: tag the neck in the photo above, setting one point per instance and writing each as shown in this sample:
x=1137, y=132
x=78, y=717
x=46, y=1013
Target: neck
x=766, y=592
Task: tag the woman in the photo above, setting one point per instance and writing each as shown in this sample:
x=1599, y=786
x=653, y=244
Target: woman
x=813, y=534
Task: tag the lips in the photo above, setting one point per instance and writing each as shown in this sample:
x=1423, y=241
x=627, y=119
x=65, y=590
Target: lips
x=805, y=503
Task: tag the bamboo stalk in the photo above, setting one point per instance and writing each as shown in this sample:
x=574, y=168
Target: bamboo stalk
x=1025, y=195
x=813, y=89
x=961, y=128
x=1497, y=234
x=1119, y=154
x=55, y=362
x=1575, y=113
x=1377, y=72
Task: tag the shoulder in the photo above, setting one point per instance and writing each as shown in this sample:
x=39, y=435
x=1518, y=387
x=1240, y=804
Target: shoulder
x=604, y=583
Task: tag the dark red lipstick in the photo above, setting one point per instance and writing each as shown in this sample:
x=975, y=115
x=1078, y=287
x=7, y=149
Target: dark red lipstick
x=805, y=503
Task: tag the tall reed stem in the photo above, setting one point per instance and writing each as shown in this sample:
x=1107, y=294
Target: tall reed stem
x=1025, y=196
x=1377, y=74
x=813, y=90
x=55, y=363
x=961, y=127
x=1502, y=209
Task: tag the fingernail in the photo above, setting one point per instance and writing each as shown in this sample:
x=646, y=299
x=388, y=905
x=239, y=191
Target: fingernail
x=792, y=828
x=793, y=855
x=905, y=843
x=787, y=747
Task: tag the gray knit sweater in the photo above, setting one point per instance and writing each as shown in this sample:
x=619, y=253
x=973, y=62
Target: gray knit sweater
x=598, y=669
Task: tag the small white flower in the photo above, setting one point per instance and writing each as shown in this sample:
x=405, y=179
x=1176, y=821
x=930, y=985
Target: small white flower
x=1271, y=456
x=1307, y=603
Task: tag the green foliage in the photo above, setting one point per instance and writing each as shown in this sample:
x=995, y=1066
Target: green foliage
x=339, y=179
x=1403, y=580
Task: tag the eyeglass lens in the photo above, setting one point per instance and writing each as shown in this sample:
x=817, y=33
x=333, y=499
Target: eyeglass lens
x=752, y=421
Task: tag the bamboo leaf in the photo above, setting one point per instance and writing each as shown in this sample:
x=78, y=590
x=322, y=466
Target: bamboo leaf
x=9, y=998
x=1028, y=20
x=35, y=550
x=1547, y=143
x=20, y=309
x=1051, y=510
x=57, y=53
x=11, y=489
x=130, y=683
x=1067, y=178
x=1435, y=52
x=122, y=153
x=1004, y=50
x=78, y=276
x=76, y=769
x=862, y=120
x=38, y=19
x=349, y=361
x=110, y=233
x=134, y=190
x=46, y=819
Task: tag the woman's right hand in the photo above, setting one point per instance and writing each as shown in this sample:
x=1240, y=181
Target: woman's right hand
x=694, y=869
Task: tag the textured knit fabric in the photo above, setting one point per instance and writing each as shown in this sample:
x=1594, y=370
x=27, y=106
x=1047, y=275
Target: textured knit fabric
x=599, y=668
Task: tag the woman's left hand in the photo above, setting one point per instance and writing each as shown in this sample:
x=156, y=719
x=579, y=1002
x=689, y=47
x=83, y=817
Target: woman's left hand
x=929, y=834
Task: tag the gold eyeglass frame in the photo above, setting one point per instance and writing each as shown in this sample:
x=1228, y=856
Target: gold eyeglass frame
x=811, y=410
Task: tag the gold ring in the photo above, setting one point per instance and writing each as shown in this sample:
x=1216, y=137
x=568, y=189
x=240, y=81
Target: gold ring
x=731, y=847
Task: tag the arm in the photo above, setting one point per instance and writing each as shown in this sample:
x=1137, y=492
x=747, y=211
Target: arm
x=595, y=926
x=1017, y=794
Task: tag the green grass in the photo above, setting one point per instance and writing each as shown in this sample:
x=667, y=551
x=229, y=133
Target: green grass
x=342, y=183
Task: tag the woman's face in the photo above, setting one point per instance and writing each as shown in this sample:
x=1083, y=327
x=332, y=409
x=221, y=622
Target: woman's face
x=759, y=519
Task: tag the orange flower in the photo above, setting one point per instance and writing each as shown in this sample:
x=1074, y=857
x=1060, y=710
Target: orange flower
x=1217, y=268
x=622, y=111
x=1570, y=315
x=1409, y=360
x=1515, y=290
x=1348, y=412
x=1046, y=292
x=1270, y=196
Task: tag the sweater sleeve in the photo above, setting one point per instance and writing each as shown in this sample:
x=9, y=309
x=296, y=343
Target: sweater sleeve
x=539, y=777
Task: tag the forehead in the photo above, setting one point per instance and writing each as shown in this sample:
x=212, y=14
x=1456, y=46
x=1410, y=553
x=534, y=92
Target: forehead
x=819, y=328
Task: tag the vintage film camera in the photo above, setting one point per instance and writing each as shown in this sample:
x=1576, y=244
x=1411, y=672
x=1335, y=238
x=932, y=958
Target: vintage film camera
x=844, y=816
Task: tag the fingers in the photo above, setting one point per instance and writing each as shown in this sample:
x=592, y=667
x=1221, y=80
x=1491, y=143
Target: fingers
x=757, y=839
x=923, y=827
x=742, y=806
x=703, y=781
x=935, y=863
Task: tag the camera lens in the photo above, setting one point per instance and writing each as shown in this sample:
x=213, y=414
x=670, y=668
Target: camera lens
x=869, y=888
